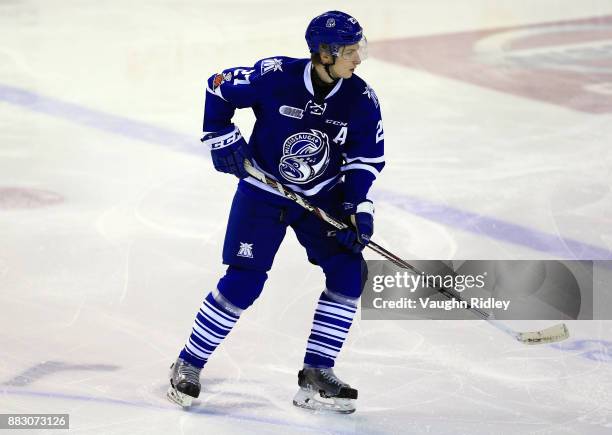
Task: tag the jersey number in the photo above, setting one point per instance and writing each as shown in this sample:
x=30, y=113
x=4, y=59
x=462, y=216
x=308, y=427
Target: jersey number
x=245, y=73
x=380, y=134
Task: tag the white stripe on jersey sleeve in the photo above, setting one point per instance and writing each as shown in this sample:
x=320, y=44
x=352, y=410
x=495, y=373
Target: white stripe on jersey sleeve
x=380, y=159
x=363, y=166
x=216, y=92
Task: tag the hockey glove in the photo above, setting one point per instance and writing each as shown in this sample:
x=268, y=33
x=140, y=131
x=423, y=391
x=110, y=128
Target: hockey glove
x=228, y=150
x=361, y=217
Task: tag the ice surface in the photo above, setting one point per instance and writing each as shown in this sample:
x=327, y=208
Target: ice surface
x=112, y=221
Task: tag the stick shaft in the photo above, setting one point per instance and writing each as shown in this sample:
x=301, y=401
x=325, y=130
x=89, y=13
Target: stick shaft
x=287, y=193
x=549, y=335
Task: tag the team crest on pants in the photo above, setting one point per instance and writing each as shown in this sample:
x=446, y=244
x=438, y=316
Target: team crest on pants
x=246, y=250
x=305, y=156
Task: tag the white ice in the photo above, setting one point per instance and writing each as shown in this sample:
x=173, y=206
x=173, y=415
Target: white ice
x=98, y=291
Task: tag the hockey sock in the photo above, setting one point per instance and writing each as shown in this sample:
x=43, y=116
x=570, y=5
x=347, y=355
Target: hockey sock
x=330, y=327
x=211, y=326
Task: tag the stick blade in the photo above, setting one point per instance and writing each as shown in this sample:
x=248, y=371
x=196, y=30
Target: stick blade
x=549, y=335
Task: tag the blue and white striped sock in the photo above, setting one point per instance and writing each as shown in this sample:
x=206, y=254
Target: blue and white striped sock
x=211, y=326
x=330, y=327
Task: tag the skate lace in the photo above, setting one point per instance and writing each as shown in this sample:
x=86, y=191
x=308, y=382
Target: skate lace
x=189, y=371
x=329, y=376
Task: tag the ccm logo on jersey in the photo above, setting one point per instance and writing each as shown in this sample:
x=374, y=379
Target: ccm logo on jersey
x=333, y=122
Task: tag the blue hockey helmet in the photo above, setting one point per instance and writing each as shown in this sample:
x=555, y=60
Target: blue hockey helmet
x=334, y=29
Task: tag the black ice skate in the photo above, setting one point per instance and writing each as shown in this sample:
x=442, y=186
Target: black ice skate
x=321, y=390
x=184, y=382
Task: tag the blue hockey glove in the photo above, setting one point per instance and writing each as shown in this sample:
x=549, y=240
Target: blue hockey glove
x=356, y=238
x=228, y=150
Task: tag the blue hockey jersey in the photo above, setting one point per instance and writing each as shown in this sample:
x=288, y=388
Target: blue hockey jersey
x=307, y=145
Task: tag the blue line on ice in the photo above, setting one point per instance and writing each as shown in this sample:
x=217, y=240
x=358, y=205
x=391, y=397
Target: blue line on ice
x=153, y=406
x=471, y=222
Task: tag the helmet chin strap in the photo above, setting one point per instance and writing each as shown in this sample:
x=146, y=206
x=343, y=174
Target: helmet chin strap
x=328, y=70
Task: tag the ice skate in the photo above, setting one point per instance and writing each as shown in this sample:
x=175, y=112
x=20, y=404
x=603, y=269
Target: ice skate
x=184, y=382
x=321, y=390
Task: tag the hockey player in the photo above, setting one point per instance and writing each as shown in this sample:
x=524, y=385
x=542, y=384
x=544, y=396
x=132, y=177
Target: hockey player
x=319, y=132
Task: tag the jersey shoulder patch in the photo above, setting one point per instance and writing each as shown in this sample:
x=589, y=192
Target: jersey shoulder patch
x=273, y=64
x=363, y=92
x=369, y=92
x=270, y=65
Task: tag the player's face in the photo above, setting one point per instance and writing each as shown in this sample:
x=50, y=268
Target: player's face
x=347, y=61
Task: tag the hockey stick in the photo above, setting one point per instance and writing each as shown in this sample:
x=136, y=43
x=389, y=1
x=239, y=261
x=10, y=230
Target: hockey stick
x=549, y=335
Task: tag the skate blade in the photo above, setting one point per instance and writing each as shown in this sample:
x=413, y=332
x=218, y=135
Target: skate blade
x=308, y=399
x=179, y=398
